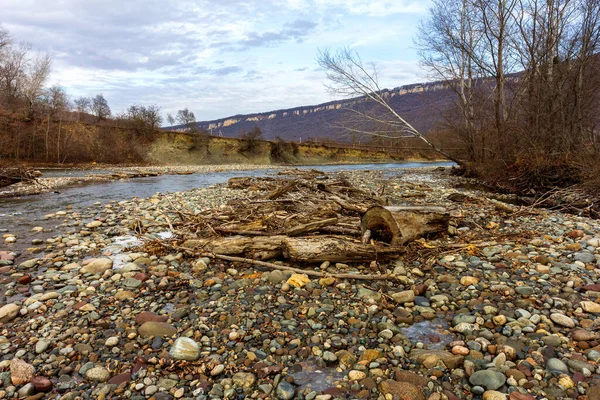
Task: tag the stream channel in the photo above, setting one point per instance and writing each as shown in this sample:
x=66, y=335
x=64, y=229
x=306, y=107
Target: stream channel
x=19, y=215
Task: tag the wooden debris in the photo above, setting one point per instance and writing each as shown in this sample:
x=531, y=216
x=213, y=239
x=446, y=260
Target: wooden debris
x=308, y=218
x=10, y=175
x=402, y=224
x=333, y=248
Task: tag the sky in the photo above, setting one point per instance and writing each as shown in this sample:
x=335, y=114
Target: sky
x=216, y=57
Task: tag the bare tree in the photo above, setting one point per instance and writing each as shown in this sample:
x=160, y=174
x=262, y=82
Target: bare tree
x=83, y=105
x=34, y=80
x=446, y=41
x=5, y=39
x=56, y=103
x=13, y=62
x=349, y=77
x=186, y=118
x=145, y=119
x=170, y=120
x=100, y=107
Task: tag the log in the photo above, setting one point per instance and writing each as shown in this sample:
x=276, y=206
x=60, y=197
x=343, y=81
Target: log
x=257, y=247
x=310, y=227
x=277, y=193
x=402, y=224
x=334, y=249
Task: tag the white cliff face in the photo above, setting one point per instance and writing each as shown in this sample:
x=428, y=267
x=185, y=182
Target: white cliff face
x=388, y=94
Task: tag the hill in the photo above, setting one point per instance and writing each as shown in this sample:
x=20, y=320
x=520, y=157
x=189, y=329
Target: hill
x=419, y=103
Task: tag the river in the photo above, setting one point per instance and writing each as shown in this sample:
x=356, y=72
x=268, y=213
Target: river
x=20, y=215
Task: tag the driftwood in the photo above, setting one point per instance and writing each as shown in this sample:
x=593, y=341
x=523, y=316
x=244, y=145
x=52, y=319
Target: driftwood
x=303, y=249
x=333, y=248
x=12, y=175
x=256, y=247
x=280, y=266
x=305, y=218
x=400, y=225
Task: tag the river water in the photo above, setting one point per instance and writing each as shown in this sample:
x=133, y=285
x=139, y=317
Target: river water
x=20, y=215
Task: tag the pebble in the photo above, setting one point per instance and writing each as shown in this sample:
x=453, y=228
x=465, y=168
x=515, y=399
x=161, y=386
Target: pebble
x=185, y=349
x=488, y=379
x=166, y=326
x=285, y=391
x=98, y=373
x=562, y=320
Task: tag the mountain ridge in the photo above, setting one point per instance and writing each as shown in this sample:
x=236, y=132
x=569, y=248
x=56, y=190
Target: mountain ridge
x=419, y=103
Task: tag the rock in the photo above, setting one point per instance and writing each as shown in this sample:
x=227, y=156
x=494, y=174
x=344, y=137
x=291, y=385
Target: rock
x=590, y=307
x=276, y=276
x=566, y=382
x=494, y=395
x=521, y=396
x=554, y=364
x=42, y=384
x=244, y=380
x=452, y=361
x=28, y=264
x=21, y=372
x=488, y=379
x=97, y=266
x=298, y=280
x=185, y=349
x=355, y=375
x=124, y=295
x=368, y=294
x=410, y=377
x=93, y=224
x=583, y=335
x=401, y=390
x=152, y=328
x=120, y=379
x=217, y=370
x=285, y=391
x=146, y=316
x=42, y=345
x=329, y=356
x=27, y=390
x=99, y=374
x=407, y=296
x=468, y=280
x=594, y=392
x=8, y=312
x=562, y=320
x=112, y=341
x=586, y=258
x=524, y=290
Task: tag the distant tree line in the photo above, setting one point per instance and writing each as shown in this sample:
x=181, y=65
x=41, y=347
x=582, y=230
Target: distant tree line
x=43, y=123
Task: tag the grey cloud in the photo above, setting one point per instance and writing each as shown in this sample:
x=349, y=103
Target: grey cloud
x=296, y=30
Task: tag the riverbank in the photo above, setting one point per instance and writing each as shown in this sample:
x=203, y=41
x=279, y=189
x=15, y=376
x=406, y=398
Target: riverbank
x=504, y=306
x=107, y=172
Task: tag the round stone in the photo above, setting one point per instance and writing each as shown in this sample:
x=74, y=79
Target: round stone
x=488, y=379
x=185, y=349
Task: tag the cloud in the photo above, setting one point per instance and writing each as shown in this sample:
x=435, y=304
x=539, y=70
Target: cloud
x=217, y=57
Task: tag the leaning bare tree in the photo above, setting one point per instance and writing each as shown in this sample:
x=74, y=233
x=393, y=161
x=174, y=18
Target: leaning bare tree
x=349, y=77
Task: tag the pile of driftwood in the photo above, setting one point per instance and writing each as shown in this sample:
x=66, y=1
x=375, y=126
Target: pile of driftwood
x=10, y=175
x=304, y=217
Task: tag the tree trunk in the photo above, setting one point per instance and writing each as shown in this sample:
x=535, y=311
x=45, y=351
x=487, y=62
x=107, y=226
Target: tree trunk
x=334, y=249
x=399, y=225
x=258, y=247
